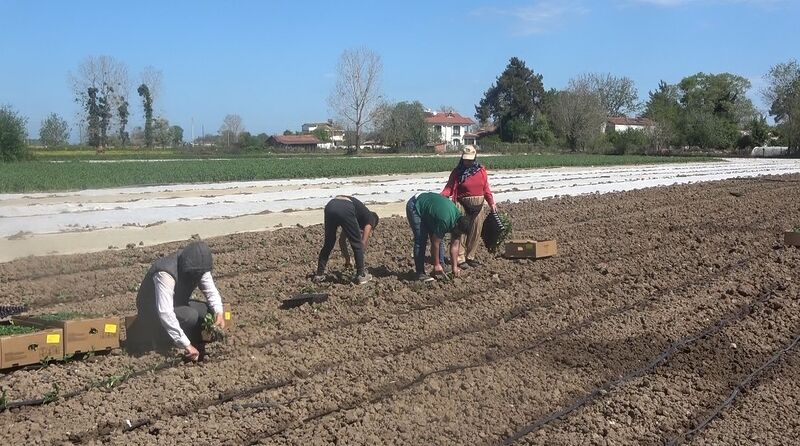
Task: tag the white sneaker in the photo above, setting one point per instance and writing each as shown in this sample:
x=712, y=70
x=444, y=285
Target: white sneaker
x=362, y=279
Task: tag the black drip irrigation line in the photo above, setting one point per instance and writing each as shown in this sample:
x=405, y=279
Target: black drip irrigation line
x=224, y=398
x=746, y=383
x=663, y=357
x=47, y=400
x=540, y=340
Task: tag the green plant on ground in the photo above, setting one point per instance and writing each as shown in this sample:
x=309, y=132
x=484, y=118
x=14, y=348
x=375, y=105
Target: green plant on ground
x=48, y=176
x=52, y=395
x=212, y=331
x=12, y=329
x=796, y=229
x=3, y=400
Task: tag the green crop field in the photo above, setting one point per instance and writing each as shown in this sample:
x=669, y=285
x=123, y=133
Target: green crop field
x=44, y=176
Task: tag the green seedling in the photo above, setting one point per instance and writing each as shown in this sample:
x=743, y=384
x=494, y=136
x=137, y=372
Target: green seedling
x=52, y=395
x=214, y=332
x=3, y=400
x=11, y=329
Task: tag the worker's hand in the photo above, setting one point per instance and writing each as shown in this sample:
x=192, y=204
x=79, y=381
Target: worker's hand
x=438, y=269
x=191, y=353
x=494, y=208
x=456, y=270
x=220, y=322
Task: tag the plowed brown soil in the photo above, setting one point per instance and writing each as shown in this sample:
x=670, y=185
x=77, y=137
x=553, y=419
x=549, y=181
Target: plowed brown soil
x=658, y=305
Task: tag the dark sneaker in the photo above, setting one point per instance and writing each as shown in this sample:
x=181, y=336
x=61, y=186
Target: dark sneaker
x=464, y=265
x=473, y=263
x=363, y=278
x=422, y=277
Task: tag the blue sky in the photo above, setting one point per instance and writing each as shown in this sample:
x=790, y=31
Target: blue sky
x=273, y=62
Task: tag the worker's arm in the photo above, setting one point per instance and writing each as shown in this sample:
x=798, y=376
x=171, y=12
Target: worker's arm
x=210, y=291
x=450, y=187
x=165, y=292
x=365, y=235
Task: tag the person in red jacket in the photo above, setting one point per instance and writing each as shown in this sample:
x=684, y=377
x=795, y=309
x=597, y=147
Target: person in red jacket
x=468, y=186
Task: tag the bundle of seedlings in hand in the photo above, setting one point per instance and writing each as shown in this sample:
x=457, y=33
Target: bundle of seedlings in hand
x=496, y=229
x=211, y=332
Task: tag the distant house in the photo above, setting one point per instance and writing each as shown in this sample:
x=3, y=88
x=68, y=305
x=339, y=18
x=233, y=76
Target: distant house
x=450, y=126
x=335, y=134
x=622, y=124
x=307, y=143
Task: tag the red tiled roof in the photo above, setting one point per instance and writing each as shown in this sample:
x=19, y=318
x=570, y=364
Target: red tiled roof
x=622, y=120
x=447, y=118
x=290, y=140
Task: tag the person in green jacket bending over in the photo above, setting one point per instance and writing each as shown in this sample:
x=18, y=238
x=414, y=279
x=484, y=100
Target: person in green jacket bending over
x=431, y=216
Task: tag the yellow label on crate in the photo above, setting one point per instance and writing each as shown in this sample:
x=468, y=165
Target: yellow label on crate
x=53, y=338
x=227, y=315
x=111, y=328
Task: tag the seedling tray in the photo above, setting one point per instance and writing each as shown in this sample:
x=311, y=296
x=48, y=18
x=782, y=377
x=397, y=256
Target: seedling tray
x=80, y=335
x=23, y=349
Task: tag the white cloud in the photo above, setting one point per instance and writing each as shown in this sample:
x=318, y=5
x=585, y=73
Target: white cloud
x=537, y=18
x=671, y=3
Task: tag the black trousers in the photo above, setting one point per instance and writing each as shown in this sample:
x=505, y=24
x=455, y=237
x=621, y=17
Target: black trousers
x=148, y=332
x=341, y=213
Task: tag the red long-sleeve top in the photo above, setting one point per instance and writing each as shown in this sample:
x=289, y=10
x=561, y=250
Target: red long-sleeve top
x=475, y=186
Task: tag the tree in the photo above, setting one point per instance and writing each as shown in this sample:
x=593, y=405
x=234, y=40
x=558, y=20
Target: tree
x=161, y=132
x=153, y=78
x=577, y=115
x=122, y=112
x=147, y=104
x=618, y=95
x=13, y=137
x=357, y=92
x=759, y=130
x=513, y=101
x=231, y=128
x=783, y=95
x=723, y=95
x=93, y=118
x=54, y=131
x=176, y=135
x=663, y=104
x=403, y=125
x=107, y=78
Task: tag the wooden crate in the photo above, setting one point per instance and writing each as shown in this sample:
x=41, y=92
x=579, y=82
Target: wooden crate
x=530, y=249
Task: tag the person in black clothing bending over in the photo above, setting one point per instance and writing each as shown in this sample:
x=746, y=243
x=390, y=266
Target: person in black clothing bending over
x=357, y=224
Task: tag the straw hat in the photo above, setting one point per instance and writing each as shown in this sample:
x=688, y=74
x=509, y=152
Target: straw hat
x=469, y=152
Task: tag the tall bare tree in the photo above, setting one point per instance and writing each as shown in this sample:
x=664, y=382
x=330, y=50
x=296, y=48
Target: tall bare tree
x=357, y=92
x=154, y=79
x=109, y=79
x=618, y=95
x=231, y=128
x=577, y=115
